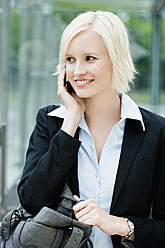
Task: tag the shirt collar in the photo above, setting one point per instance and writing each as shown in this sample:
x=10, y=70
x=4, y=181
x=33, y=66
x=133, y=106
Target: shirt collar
x=58, y=112
x=129, y=110
x=61, y=111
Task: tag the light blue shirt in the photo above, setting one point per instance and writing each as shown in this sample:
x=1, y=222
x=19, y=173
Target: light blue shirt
x=97, y=180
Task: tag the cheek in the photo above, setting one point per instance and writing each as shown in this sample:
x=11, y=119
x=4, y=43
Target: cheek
x=69, y=72
x=99, y=69
x=108, y=70
x=95, y=70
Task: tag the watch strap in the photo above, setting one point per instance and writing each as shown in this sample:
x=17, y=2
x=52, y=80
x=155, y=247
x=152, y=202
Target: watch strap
x=131, y=227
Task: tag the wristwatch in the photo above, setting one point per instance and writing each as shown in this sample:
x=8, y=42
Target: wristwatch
x=131, y=227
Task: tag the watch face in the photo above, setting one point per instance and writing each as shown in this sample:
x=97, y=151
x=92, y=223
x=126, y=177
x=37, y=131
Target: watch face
x=131, y=226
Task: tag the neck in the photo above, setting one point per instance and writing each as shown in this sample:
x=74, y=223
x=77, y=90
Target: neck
x=106, y=108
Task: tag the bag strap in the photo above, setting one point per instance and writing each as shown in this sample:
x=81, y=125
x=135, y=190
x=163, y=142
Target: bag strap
x=75, y=238
x=10, y=217
x=67, y=194
x=90, y=243
x=86, y=243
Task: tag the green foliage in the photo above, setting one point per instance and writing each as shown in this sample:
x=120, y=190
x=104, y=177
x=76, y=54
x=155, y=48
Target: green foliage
x=140, y=28
x=14, y=32
x=162, y=39
x=67, y=10
x=139, y=25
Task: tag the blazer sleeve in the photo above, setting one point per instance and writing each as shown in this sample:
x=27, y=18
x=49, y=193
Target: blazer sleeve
x=48, y=161
x=150, y=232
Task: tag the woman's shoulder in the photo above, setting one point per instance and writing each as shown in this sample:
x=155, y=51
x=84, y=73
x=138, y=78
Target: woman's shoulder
x=155, y=121
x=48, y=108
x=42, y=115
x=44, y=111
x=150, y=116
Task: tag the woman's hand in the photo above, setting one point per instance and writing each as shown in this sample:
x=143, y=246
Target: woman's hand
x=89, y=212
x=74, y=105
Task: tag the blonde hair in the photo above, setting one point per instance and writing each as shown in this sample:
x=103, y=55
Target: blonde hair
x=112, y=30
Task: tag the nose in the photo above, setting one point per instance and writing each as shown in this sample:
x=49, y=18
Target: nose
x=79, y=69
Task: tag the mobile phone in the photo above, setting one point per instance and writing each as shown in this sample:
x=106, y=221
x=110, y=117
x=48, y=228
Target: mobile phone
x=68, y=85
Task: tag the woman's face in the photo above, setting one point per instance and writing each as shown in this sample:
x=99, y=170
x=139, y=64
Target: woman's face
x=88, y=66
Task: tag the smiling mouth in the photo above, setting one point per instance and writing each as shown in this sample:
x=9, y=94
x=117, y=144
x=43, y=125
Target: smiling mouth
x=82, y=83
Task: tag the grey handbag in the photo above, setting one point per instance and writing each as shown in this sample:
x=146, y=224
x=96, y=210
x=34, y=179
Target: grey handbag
x=48, y=229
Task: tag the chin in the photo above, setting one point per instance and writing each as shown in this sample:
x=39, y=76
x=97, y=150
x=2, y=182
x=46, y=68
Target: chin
x=83, y=95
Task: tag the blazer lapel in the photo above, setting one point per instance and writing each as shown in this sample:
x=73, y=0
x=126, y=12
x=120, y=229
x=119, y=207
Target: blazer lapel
x=133, y=136
x=73, y=175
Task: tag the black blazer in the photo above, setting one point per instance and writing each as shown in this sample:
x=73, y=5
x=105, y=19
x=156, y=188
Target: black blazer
x=140, y=183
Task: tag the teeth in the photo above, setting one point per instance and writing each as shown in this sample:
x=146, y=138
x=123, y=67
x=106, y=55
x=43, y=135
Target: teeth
x=83, y=81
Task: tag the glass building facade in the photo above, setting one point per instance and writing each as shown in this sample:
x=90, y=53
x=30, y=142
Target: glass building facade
x=30, y=35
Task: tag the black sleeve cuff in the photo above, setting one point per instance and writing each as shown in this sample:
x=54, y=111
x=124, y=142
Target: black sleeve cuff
x=66, y=142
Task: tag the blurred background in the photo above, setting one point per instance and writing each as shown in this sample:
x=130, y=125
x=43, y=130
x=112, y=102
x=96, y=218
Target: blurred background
x=30, y=33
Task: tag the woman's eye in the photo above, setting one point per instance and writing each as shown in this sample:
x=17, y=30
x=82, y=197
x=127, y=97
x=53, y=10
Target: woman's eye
x=90, y=58
x=70, y=59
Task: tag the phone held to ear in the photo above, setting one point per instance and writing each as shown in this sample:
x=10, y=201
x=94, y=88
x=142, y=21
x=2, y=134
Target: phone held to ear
x=68, y=85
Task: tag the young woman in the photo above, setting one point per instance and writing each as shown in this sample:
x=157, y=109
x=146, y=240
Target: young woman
x=109, y=150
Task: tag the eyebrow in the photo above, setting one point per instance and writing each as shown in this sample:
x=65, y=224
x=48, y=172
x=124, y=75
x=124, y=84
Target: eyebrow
x=87, y=54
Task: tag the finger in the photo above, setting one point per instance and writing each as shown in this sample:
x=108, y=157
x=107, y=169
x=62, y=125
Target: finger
x=76, y=198
x=88, y=218
x=61, y=87
x=82, y=212
x=62, y=76
x=80, y=205
x=83, y=204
